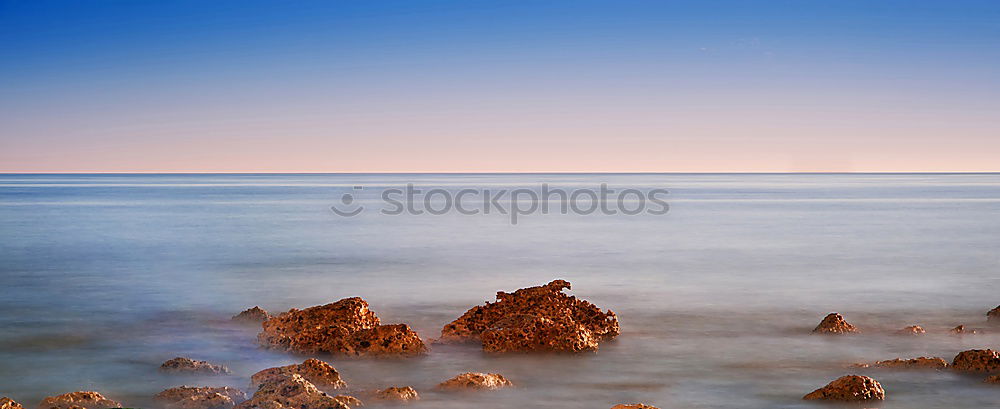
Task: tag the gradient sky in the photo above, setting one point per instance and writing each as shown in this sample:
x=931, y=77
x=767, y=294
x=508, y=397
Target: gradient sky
x=477, y=86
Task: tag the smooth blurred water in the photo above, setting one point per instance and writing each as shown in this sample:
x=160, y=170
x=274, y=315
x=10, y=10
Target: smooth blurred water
x=103, y=277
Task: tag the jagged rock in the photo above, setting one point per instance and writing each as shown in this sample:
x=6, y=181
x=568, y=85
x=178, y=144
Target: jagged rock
x=995, y=379
x=78, y=400
x=294, y=392
x=187, y=365
x=253, y=315
x=912, y=330
x=346, y=327
x=633, y=406
x=8, y=403
x=962, y=330
x=396, y=393
x=835, y=324
x=993, y=317
x=539, y=318
x=319, y=373
x=190, y=397
x=476, y=380
x=977, y=360
x=915, y=363
x=349, y=401
x=849, y=388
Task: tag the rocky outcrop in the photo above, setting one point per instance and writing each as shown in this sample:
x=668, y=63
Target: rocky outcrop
x=190, y=366
x=476, y=381
x=915, y=363
x=190, y=397
x=295, y=392
x=912, y=330
x=993, y=317
x=835, y=324
x=346, y=327
x=8, y=403
x=398, y=394
x=78, y=400
x=254, y=315
x=849, y=388
x=977, y=360
x=539, y=318
x=317, y=372
x=633, y=406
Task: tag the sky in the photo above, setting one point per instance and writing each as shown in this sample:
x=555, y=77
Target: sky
x=499, y=86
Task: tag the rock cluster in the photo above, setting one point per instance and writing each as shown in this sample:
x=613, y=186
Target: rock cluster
x=915, y=363
x=633, y=406
x=8, y=403
x=993, y=317
x=539, y=318
x=396, y=393
x=977, y=360
x=78, y=400
x=849, y=388
x=476, y=380
x=190, y=397
x=346, y=327
x=253, y=315
x=317, y=372
x=187, y=365
x=295, y=392
x=912, y=330
x=835, y=324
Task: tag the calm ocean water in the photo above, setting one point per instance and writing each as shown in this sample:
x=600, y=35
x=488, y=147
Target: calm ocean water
x=103, y=277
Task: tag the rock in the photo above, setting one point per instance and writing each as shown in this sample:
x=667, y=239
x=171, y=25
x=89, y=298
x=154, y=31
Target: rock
x=349, y=400
x=346, y=327
x=993, y=317
x=8, y=403
x=995, y=379
x=253, y=315
x=962, y=330
x=395, y=393
x=849, y=388
x=186, y=365
x=977, y=360
x=317, y=372
x=475, y=380
x=633, y=406
x=190, y=397
x=912, y=330
x=294, y=392
x=915, y=363
x=539, y=318
x=835, y=324
x=78, y=400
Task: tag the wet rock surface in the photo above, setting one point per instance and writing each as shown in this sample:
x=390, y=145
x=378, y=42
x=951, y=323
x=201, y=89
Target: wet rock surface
x=633, y=406
x=835, y=324
x=294, y=392
x=8, y=403
x=849, y=388
x=977, y=360
x=252, y=315
x=397, y=393
x=317, y=372
x=476, y=381
x=539, y=318
x=191, y=397
x=187, y=365
x=915, y=363
x=912, y=330
x=79, y=400
x=993, y=317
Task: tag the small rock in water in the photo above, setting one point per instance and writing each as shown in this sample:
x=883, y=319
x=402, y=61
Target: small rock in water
x=633, y=406
x=476, y=380
x=253, y=315
x=396, y=393
x=977, y=360
x=187, y=365
x=962, y=330
x=78, y=400
x=295, y=392
x=915, y=363
x=995, y=379
x=8, y=403
x=190, y=397
x=319, y=373
x=912, y=330
x=835, y=324
x=993, y=317
x=849, y=388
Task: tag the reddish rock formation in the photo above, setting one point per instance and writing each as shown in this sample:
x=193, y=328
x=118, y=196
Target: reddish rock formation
x=977, y=360
x=78, y=400
x=993, y=317
x=8, y=403
x=253, y=315
x=190, y=397
x=186, y=365
x=962, y=330
x=399, y=394
x=475, y=380
x=346, y=327
x=294, y=392
x=915, y=363
x=319, y=373
x=912, y=330
x=835, y=324
x=539, y=318
x=633, y=406
x=849, y=388
x=995, y=379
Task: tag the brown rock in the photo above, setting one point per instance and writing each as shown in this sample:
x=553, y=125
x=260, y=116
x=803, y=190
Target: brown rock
x=916, y=363
x=962, y=330
x=395, y=393
x=190, y=397
x=912, y=330
x=633, y=406
x=186, y=365
x=349, y=400
x=78, y=400
x=995, y=379
x=545, y=312
x=977, y=360
x=253, y=315
x=293, y=392
x=835, y=324
x=384, y=340
x=993, y=317
x=849, y=388
x=475, y=380
x=8, y=403
x=317, y=372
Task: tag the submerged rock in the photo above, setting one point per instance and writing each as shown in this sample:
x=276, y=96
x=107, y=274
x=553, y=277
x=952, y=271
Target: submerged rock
x=190, y=397
x=253, y=315
x=912, y=330
x=977, y=360
x=995, y=379
x=78, y=400
x=476, y=381
x=539, y=318
x=633, y=406
x=849, y=388
x=294, y=392
x=346, y=327
x=915, y=363
x=319, y=373
x=835, y=324
x=993, y=317
x=399, y=394
x=962, y=330
x=8, y=403
x=187, y=365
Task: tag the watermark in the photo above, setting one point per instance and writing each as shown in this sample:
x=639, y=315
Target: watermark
x=514, y=203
